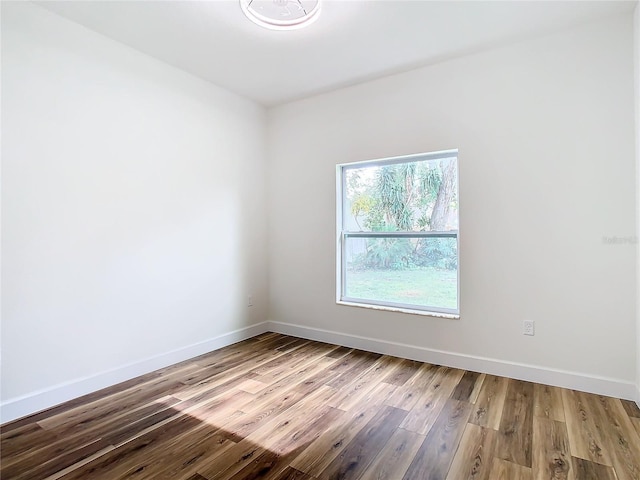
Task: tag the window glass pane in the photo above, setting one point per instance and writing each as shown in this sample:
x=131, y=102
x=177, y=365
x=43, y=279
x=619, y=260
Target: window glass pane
x=413, y=196
x=414, y=271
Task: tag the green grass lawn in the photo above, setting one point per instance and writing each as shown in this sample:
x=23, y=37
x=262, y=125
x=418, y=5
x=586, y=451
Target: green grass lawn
x=426, y=286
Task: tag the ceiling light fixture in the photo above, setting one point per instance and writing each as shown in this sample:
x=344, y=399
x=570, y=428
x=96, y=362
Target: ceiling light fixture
x=281, y=14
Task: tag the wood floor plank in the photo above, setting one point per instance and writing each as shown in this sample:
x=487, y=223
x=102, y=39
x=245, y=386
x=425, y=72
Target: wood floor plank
x=252, y=386
x=277, y=407
x=272, y=402
x=293, y=381
x=516, y=425
x=636, y=424
x=196, y=476
x=406, y=396
x=293, y=474
x=188, y=451
x=279, y=431
x=351, y=394
x=586, y=470
x=339, y=352
x=288, y=446
x=232, y=355
x=233, y=461
x=321, y=452
x=631, y=408
x=476, y=390
x=292, y=344
x=436, y=452
x=585, y=438
x=62, y=473
x=183, y=456
x=504, y=470
x=365, y=446
x=221, y=375
x=125, y=432
x=256, y=418
x=218, y=412
x=58, y=449
x=547, y=402
x=24, y=440
x=396, y=456
x=473, y=459
x=159, y=450
x=173, y=469
x=299, y=425
x=69, y=437
x=466, y=387
x=359, y=363
x=286, y=364
x=96, y=398
x=487, y=410
x=44, y=469
x=621, y=438
x=242, y=357
x=264, y=336
x=257, y=468
x=127, y=457
x=551, y=452
x=404, y=371
x=100, y=411
x=213, y=365
x=426, y=411
x=298, y=438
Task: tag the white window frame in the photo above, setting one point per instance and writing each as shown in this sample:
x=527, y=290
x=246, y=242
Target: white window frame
x=342, y=235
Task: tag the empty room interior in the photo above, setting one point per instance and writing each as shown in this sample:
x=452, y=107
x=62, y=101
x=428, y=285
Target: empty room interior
x=320, y=239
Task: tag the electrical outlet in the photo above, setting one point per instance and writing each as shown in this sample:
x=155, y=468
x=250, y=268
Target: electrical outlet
x=249, y=301
x=529, y=327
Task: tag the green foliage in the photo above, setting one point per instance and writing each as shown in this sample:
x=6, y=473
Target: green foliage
x=400, y=198
x=430, y=179
x=403, y=253
x=395, y=192
x=440, y=253
x=386, y=253
x=362, y=205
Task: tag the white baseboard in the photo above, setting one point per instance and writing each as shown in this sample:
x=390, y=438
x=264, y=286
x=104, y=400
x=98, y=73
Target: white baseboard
x=40, y=400
x=574, y=380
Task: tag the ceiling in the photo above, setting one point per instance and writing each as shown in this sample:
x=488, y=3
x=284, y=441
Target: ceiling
x=352, y=41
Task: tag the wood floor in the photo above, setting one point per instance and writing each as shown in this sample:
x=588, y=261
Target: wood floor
x=282, y=408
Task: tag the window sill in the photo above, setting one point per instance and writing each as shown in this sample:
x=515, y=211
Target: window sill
x=424, y=313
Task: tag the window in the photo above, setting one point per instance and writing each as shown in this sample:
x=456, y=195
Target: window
x=398, y=233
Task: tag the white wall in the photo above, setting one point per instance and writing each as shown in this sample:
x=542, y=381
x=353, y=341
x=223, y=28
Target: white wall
x=134, y=221
x=636, y=30
x=133, y=210
x=546, y=138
